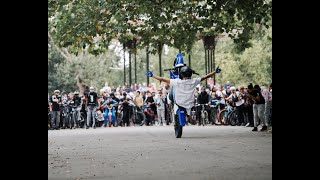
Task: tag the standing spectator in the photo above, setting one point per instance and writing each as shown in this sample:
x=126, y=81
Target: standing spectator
x=54, y=106
x=150, y=101
x=160, y=102
x=125, y=109
x=107, y=88
x=258, y=107
x=78, y=104
x=227, y=84
x=143, y=88
x=227, y=91
x=92, y=103
x=267, y=95
x=135, y=87
x=151, y=87
x=113, y=97
x=237, y=98
x=151, y=105
x=248, y=107
x=138, y=101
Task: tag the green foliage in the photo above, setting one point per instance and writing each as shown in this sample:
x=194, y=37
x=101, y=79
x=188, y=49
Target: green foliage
x=94, y=23
x=254, y=64
x=54, y=59
x=91, y=70
x=87, y=28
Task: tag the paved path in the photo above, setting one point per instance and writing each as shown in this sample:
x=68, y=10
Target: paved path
x=145, y=153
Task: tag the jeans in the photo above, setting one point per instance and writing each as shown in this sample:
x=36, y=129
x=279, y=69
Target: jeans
x=55, y=120
x=240, y=111
x=91, y=114
x=258, y=113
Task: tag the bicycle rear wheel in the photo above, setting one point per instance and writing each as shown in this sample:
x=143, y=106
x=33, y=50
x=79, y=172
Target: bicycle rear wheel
x=82, y=120
x=205, y=119
x=233, y=118
x=221, y=117
x=214, y=117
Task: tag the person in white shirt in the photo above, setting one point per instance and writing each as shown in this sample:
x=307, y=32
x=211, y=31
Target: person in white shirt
x=160, y=103
x=238, y=98
x=267, y=95
x=183, y=92
x=220, y=97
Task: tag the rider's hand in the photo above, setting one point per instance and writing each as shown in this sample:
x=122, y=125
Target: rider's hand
x=149, y=73
x=218, y=70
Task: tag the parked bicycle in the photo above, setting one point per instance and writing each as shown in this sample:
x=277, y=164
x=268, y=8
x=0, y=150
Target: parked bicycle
x=204, y=117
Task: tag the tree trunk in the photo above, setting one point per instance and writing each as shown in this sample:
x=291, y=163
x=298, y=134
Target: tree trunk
x=80, y=85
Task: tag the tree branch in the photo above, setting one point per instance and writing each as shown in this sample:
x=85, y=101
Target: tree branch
x=58, y=49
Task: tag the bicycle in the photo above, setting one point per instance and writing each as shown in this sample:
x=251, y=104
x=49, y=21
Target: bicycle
x=214, y=114
x=75, y=122
x=233, y=117
x=223, y=114
x=83, y=118
x=204, y=114
x=67, y=117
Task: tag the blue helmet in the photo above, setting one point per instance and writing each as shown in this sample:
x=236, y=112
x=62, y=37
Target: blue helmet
x=179, y=60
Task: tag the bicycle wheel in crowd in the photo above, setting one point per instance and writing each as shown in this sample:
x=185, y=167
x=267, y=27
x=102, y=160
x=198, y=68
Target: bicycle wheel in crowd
x=221, y=117
x=214, y=117
x=82, y=120
x=70, y=121
x=233, y=118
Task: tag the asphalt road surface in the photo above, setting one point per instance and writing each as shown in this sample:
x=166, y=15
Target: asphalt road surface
x=152, y=152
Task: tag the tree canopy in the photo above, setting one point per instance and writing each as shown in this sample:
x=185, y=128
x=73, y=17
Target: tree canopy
x=70, y=72
x=77, y=24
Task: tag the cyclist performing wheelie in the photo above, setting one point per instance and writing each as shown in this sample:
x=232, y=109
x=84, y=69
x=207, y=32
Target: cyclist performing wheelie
x=181, y=90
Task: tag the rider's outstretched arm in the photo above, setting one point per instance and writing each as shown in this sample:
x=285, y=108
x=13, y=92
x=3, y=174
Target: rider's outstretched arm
x=150, y=74
x=208, y=75
x=162, y=79
x=217, y=70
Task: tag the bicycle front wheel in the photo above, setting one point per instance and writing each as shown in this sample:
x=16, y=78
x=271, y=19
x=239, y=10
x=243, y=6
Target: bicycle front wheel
x=204, y=118
x=221, y=117
x=233, y=118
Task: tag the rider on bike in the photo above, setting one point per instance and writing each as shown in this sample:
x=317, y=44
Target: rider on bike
x=184, y=88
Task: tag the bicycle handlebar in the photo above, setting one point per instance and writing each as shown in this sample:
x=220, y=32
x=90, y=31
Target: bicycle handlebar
x=168, y=69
